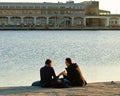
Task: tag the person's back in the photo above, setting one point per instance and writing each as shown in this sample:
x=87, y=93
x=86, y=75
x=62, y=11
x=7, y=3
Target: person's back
x=47, y=76
x=74, y=74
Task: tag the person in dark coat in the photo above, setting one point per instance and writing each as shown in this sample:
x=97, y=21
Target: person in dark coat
x=47, y=74
x=73, y=74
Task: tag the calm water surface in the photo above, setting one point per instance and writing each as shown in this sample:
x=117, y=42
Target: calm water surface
x=22, y=53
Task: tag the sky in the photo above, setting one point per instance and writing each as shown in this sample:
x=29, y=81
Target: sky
x=110, y=5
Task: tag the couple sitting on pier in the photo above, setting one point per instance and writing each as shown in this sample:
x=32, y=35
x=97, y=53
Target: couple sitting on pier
x=71, y=77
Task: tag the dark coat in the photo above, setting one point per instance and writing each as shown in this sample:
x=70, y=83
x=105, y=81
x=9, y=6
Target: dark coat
x=47, y=75
x=74, y=75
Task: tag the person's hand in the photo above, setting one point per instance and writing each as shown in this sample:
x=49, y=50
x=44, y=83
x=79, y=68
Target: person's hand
x=62, y=73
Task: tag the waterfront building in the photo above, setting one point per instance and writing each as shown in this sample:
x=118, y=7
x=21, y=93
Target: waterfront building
x=59, y=15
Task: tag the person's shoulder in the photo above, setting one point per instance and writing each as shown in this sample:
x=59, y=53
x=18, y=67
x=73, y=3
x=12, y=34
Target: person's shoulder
x=42, y=67
x=52, y=68
x=75, y=65
x=49, y=67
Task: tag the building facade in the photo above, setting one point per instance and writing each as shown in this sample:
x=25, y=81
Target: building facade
x=56, y=15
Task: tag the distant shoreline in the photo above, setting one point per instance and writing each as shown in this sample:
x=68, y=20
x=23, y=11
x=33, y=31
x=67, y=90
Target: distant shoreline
x=83, y=28
x=96, y=89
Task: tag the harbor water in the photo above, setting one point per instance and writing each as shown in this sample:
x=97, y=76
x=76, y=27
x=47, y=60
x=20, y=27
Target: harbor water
x=22, y=53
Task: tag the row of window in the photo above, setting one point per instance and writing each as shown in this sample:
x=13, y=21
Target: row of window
x=42, y=7
x=38, y=18
x=113, y=22
x=38, y=22
x=38, y=12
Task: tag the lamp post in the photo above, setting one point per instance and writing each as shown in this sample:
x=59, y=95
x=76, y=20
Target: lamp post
x=55, y=19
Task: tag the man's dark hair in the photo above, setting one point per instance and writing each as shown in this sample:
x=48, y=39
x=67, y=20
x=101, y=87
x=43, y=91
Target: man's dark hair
x=69, y=60
x=48, y=61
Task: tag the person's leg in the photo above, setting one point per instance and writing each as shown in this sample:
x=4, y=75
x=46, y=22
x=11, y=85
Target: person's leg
x=36, y=83
x=66, y=81
x=62, y=83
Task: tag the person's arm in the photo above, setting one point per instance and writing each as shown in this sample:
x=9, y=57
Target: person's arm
x=40, y=74
x=62, y=73
x=53, y=73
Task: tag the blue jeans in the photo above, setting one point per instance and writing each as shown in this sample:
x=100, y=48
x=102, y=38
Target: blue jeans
x=36, y=83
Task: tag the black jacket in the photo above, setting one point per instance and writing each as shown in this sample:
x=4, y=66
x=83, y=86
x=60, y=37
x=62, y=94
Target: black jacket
x=74, y=75
x=47, y=75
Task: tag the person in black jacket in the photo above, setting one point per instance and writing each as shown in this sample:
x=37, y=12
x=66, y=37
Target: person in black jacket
x=73, y=74
x=47, y=74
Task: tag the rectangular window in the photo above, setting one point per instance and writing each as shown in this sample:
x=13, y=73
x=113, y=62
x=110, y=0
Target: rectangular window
x=5, y=7
x=31, y=7
x=115, y=22
x=12, y=7
x=18, y=7
x=37, y=7
x=43, y=12
x=50, y=12
x=0, y=11
x=25, y=7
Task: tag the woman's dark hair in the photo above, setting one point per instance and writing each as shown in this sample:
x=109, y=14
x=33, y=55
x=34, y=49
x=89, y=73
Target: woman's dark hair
x=69, y=60
x=48, y=61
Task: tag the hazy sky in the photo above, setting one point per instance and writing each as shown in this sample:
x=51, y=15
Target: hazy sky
x=111, y=5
